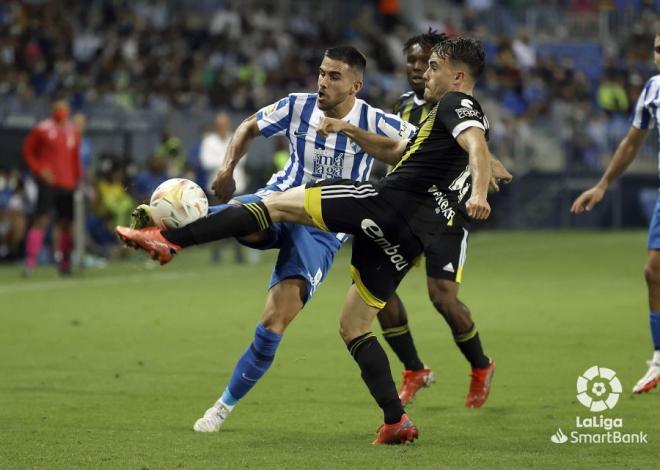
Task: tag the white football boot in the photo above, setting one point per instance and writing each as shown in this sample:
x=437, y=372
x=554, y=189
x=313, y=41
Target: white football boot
x=213, y=418
x=650, y=379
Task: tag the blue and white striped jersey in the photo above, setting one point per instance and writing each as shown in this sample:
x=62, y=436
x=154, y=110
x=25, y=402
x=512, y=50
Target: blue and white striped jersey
x=313, y=157
x=646, y=114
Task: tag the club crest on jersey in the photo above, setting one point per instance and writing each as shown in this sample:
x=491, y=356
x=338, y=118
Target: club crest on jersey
x=442, y=201
x=326, y=164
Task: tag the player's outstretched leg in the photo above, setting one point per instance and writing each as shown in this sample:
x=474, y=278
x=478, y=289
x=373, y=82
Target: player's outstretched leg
x=652, y=274
x=284, y=301
x=444, y=295
x=162, y=245
x=238, y=221
x=355, y=322
x=141, y=215
x=151, y=240
x=393, y=320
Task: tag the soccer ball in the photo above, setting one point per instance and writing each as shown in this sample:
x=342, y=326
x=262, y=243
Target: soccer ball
x=176, y=203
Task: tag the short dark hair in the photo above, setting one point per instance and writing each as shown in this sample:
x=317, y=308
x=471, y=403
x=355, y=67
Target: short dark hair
x=463, y=49
x=427, y=40
x=348, y=55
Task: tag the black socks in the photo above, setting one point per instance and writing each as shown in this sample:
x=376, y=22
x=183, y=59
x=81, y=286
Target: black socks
x=401, y=342
x=234, y=221
x=376, y=373
x=470, y=345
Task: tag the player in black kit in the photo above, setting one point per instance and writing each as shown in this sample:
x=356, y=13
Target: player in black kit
x=392, y=221
x=445, y=258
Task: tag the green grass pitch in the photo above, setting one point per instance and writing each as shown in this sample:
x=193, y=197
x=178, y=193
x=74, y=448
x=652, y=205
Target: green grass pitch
x=111, y=369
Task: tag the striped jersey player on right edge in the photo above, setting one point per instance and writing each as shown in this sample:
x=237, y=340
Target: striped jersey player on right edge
x=646, y=115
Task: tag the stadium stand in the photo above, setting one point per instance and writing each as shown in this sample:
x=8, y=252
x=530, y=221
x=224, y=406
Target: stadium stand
x=138, y=68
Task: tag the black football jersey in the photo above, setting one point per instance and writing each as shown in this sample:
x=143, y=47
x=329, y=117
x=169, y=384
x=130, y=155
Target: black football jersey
x=411, y=109
x=433, y=177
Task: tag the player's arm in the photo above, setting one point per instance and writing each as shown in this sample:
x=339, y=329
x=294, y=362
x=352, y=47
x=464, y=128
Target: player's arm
x=380, y=147
x=473, y=141
x=625, y=153
x=498, y=174
x=35, y=164
x=224, y=185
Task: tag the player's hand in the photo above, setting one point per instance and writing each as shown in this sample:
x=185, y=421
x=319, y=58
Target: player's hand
x=477, y=207
x=499, y=174
x=329, y=126
x=588, y=199
x=224, y=185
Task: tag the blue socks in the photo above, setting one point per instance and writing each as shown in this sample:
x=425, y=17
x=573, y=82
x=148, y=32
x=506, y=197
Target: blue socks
x=654, y=318
x=252, y=365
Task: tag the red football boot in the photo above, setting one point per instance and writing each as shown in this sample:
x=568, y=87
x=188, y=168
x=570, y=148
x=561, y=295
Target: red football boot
x=150, y=240
x=413, y=381
x=397, y=433
x=480, y=386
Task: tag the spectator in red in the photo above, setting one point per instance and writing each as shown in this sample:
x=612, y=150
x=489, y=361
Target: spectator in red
x=52, y=153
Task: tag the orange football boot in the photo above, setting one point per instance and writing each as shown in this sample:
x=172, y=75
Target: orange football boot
x=480, y=385
x=397, y=433
x=413, y=381
x=150, y=240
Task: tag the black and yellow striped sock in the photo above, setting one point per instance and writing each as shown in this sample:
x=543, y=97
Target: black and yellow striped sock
x=470, y=345
x=235, y=221
x=401, y=342
x=376, y=373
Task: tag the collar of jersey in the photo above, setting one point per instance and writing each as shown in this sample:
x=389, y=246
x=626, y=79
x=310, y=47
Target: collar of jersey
x=417, y=101
x=353, y=111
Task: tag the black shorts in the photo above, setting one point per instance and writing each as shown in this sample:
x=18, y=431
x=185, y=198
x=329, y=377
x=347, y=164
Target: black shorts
x=445, y=256
x=384, y=246
x=52, y=198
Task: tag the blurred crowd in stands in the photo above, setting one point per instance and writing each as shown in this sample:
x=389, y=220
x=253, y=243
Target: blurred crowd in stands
x=113, y=186
x=237, y=56
x=120, y=55
x=241, y=55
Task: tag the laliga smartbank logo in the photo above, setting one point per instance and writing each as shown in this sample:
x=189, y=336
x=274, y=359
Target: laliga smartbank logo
x=598, y=389
x=559, y=437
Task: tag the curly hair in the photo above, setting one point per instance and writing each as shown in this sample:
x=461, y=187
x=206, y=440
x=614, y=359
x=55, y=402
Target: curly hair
x=427, y=40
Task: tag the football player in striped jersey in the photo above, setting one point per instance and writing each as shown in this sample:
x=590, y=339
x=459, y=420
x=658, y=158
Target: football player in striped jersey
x=305, y=253
x=646, y=114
